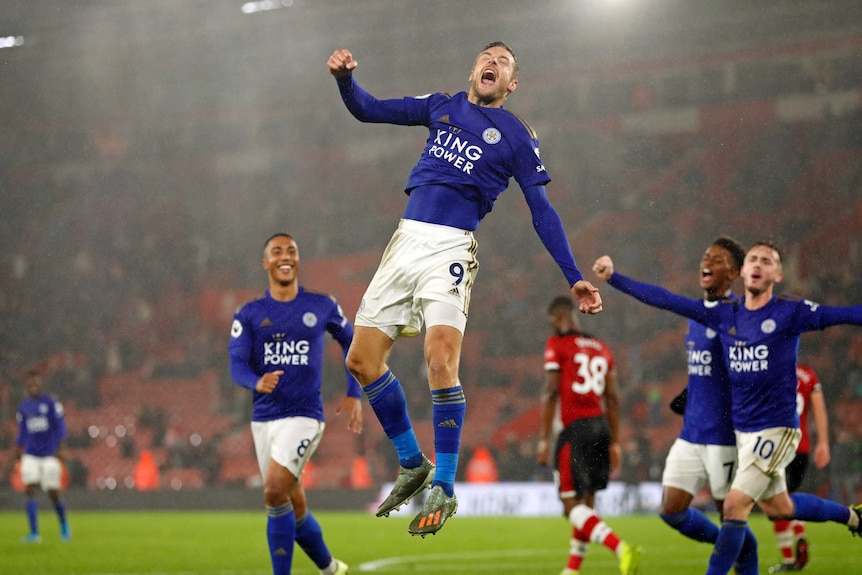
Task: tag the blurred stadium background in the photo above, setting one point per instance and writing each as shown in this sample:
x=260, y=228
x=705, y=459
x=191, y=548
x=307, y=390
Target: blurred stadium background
x=148, y=148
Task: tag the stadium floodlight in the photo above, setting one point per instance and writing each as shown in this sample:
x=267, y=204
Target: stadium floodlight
x=11, y=41
x=265, y=5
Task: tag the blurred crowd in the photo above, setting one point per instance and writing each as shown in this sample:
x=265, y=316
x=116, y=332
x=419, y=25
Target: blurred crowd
x=106, y=260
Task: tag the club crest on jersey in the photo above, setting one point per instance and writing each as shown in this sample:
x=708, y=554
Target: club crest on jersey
x=491, y=136
x=309, y=319
x=768, y=326
x=236, y=329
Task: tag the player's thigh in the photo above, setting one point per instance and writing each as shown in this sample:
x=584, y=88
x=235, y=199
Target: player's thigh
x=52, y=474
x=684, y=467
x=720, y=462
x=31, y=469
x=388, y=303
x=795, y=471
x=763, y=456
x=290, y=442
x=583, y=458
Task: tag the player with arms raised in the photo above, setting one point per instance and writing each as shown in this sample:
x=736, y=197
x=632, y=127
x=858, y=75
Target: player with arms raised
x=580, y=376
x=474, y=147
x=760, y=340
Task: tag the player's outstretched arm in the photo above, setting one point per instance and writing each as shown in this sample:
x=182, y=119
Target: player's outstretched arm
x=341, y=63
x=589, y=300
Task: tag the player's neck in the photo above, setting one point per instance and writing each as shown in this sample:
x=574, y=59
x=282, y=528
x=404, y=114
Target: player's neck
x=287, y=292
x=755, y=301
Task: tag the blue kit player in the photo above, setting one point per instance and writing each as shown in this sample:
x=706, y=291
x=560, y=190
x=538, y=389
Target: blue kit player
x=704, y=454
x=276, y=350
x=760, y=340
x=474, y=147
x=41, y=431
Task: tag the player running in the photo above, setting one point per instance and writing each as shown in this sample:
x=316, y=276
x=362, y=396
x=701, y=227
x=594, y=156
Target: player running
x=760, y=339
x=276, y=350
x=704, y=454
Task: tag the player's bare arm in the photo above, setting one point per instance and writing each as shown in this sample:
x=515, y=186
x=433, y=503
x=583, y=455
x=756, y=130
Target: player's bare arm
x=604, y=267
x=589, y=300
x=341, y=63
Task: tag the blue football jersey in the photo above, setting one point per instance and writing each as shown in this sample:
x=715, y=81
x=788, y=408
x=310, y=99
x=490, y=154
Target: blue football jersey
x=269, y=335
x=41, y=425
x=472, y=149
x=707, y=418
x=760, y=346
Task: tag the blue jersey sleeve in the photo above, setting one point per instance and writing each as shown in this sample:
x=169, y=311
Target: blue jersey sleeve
x=342, y=331
x=240, y=350
x=698, y=310
x=823, y=316
x=549, y=227
x=21, y=441
x=367, y=108
x=59, y=426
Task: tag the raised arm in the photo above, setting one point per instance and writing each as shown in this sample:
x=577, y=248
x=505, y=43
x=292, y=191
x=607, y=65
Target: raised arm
x=549, y=228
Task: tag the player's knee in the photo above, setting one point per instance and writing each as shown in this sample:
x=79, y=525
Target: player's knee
x=274, y=496
x=443, y=371
x=360, y=368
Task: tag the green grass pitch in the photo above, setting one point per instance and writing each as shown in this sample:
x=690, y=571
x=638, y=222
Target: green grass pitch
x=233, y=543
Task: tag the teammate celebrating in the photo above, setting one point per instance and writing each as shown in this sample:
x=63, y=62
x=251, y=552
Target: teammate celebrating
x=704, y=454
x=580, y=375
x=41, y=431
x=474, y=147
x=792, y=541
x=276, y=350
x=759, y=338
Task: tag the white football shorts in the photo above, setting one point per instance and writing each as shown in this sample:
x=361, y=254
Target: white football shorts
x=46, y=472
x=692, y=466
x=763, y=455
x=423, y=263
x=290, y=442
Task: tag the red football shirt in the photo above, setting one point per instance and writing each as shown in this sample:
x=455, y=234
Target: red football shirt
x=806, y=383
x=583, y=363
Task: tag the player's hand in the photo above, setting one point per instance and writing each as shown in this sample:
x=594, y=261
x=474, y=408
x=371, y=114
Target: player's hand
x=542, y=457
x=268, y=381
x=353, y=407
x=616, y=454
x=822, y=457
x=341, y=63
x=604, y=267
x=589, y=300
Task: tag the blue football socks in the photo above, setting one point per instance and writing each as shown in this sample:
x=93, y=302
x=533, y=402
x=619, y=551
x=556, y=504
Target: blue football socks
x=728, y=546
x=281, y=534
x=812, y=508
x=309, y=536
x=387, y=399
x=449, y=407
x=694, y=524
x=33, y=515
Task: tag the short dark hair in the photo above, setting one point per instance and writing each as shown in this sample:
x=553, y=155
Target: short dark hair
x=276, y=235
x=505, y=46
x=737, y=252
x=560, y=304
